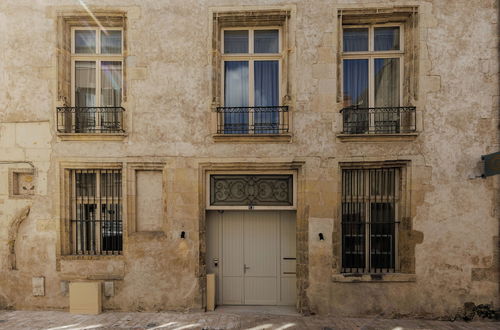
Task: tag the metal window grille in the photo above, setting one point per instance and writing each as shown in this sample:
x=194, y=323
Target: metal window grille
x=370, y=199
x=96, y=212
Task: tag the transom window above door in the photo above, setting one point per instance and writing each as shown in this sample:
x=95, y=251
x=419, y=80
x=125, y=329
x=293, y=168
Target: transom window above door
x=96, y=82
x=251, y=66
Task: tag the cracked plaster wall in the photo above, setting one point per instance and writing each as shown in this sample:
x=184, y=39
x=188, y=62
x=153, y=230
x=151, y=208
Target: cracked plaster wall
x=167, y=119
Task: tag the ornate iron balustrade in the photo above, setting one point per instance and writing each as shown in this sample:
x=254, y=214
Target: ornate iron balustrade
x=380, y=120
x=252, y=120
x=90, y=119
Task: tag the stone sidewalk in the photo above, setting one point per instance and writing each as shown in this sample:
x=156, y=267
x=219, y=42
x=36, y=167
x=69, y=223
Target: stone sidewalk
x=225, y=319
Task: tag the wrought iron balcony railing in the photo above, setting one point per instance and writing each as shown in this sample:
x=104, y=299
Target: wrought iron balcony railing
x=252, y=120
x=380, y=120
x=90, y=119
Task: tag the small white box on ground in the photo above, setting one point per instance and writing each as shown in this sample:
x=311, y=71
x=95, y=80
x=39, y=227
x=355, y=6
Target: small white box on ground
x=85, y=298
x=38, y=284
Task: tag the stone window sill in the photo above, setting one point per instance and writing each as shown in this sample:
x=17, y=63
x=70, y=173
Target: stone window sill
x=373, y=278
x=92, y=257
x=377, y=137
x=245, y=138
x=92, y=136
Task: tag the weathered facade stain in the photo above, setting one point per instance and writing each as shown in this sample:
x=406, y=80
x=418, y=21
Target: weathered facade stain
x=449, y=252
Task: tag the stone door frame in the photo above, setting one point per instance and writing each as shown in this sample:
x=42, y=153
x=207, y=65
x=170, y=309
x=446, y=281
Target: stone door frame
x=295, y=167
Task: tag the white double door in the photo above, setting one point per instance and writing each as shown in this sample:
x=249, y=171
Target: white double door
x=252, y=254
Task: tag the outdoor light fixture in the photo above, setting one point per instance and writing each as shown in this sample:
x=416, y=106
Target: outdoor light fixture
x=321, y=237
x=183, y=234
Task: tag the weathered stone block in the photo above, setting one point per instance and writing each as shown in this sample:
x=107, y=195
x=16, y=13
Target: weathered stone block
x=33, y=135
x=109, y=288
x=38, y=284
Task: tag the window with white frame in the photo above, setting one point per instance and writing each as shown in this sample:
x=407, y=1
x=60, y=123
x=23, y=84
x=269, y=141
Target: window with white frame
x=372, y=67
x=370, y=202
x=96, y=211
x=251, y=66
x=97, y=78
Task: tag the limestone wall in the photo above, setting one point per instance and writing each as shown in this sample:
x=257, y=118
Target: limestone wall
x=452, y=236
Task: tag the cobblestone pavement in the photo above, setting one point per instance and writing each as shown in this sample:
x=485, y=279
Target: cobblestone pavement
x=55, y=320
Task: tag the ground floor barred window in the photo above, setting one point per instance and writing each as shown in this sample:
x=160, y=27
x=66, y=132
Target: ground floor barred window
x=96, y=212
x=370, y=199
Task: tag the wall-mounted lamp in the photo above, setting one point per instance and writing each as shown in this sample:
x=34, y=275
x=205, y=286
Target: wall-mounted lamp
x=183, y=234
x=321, y=237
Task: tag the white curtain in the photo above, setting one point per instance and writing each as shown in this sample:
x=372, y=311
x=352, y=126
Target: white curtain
x=85, y=84
x=266, y=75
x=386, y=82
x=111, y=84
x=111, y=90
x=85, y=96
x=236, y=95
x=387, y=94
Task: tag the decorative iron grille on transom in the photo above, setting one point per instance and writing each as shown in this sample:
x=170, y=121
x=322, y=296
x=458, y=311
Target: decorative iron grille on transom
x=251, y=190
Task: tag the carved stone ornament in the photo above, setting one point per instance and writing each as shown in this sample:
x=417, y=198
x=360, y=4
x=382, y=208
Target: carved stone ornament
x=251, y=190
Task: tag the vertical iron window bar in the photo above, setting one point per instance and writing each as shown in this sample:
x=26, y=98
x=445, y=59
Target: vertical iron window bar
x=96, y=202
x=369, y=219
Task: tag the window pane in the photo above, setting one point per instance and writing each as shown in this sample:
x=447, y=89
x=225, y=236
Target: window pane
x=85, y=96
x=387, y=38
x=85, y=82
x=85, y=184
x=382, y=236
x=266, y=95
x=236, y=95
x=353, y=227
x=111, y=183
x=111, y=42
x=355, y=40
x=266, y=83
x=266, y=41
x=382, y=183
x=111, y=84
x=355, y=83
x=386, y=72
x=85, y=42
x=235, y=42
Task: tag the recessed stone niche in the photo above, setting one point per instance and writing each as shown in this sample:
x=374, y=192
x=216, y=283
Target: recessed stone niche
x=22, y=183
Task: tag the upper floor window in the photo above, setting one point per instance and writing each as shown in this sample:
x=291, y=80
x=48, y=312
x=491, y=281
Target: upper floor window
x=97, y=60
x=372, y=82
x=96, y=82
x=251, y=65
x=372, y=60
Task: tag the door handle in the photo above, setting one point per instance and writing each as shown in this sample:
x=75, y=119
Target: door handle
x=245, y=267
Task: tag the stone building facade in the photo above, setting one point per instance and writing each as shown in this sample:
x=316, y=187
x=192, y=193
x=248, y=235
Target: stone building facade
x=126, y=125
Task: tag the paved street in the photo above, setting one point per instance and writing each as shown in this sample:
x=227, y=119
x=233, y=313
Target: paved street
x=226, y=318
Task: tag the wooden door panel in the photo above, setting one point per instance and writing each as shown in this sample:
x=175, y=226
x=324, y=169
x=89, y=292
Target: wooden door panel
x=261, y=238
x=232, y=258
